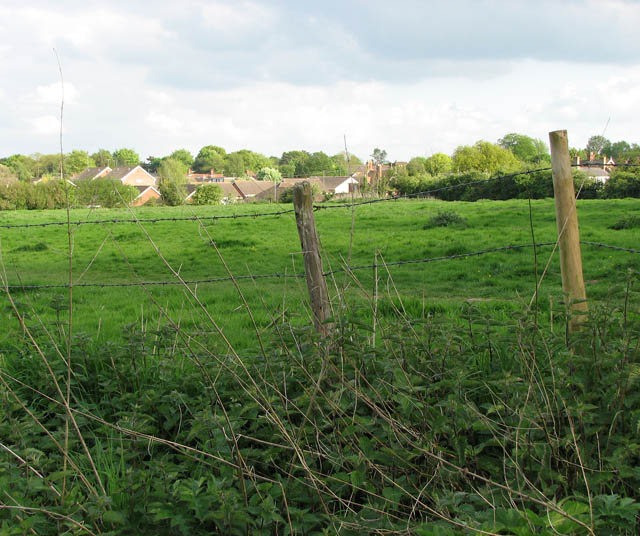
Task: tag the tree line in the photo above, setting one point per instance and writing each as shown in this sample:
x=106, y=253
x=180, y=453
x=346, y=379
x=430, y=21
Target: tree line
x=512, y=153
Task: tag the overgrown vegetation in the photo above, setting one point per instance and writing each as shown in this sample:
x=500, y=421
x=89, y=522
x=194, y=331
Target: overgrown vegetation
x=438, y=406
x=437, y=428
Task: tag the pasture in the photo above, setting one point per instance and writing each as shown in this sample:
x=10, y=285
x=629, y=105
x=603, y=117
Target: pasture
x=125, y=253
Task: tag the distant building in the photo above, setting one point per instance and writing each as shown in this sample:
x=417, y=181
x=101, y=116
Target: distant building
x=131, y=175
x=597, y=170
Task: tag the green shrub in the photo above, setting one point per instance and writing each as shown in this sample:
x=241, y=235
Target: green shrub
x=207, y=194
x=446, y=218
x=626, y=222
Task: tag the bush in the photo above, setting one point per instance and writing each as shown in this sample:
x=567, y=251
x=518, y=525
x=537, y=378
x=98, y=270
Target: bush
x=446, y=218
x=626, y=222
x=207, y=194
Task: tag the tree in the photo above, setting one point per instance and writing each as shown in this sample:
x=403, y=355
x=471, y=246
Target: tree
x=210, y=157
x=207, y=194
x=438, y=163
x=269, y=174
x=379, y=156
x=234, y=165
x=22, y=166
x=126, y=157
x=104, y=192
x=77, y=162
x=340, y=164
x=171, y=181
x=102, y=158
x=293, y=163
x=618, y=150
x=524, y=147
x=6, y=176
x=183, y=156
x=484, y=156
x=416, y=166
x=597, y=144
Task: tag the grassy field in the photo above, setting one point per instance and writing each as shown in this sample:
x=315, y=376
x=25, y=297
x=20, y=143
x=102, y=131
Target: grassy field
x=498, y=282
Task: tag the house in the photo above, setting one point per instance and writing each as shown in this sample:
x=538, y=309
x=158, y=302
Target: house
x=595, y=169
x=131, y=175
x=255, y=190
x=147, y=193
x=332, y=185
x=197, y=178
x=371, y=173
x=230, y=194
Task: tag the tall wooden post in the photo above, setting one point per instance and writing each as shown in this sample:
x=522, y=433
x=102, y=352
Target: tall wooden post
x=567, y=223
x=318, y=294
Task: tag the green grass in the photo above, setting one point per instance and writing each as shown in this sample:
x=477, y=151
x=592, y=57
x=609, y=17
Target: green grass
x=458, y=413
x=119, y=253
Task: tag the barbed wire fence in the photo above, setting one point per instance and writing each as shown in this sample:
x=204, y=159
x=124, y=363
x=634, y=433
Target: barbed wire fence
x=317, y=207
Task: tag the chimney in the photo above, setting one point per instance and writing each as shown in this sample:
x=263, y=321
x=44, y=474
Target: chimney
x=189, y=171
x=211, y=172
x=592, y=156
x=577, y=160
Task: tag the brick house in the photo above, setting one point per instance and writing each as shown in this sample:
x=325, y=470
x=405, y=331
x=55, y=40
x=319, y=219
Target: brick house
x=147, y=193
x=131, y=175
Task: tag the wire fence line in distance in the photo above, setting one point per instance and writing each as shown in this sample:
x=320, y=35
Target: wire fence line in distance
x=147, y=220
x=301, y=275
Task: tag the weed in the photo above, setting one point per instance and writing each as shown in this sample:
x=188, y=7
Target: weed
x=446, y=218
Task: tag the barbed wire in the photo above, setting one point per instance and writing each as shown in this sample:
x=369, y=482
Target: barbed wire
x=301, y=275
x=148, y=220
x=617, y=248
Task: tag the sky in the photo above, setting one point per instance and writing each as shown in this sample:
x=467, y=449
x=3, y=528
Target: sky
x=412, y=77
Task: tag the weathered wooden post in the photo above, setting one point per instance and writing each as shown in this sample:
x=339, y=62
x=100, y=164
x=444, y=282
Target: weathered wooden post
x=567, y=223
x=318, y=294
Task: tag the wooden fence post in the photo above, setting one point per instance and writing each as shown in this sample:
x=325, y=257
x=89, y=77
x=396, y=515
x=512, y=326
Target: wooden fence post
x=318, y=294
x=567, y=223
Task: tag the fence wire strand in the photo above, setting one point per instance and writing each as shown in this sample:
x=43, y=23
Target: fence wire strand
x=297, y=276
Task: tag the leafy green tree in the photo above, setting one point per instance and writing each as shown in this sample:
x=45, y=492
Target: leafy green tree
x=22, y=166
x=126, y=157
x=103, y=158
x=183, y=156
x=525, y=148
x=104, y=192
x=597, y=144
x=484, y=156
x=234, y=165
x=294, y=163
x=77, y=161
x=416, y=166
x=171, y=181
x=7, y=176
x=438, y=163
x=379, y=156
x=254, y=161
x=319, y=164
x=618, y=150
x=269, y=174
x=153, y=163
x=210, y=157
x=207, y=194
x=340, y=164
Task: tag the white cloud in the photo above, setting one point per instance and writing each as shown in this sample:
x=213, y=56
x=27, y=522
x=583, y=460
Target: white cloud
x=51, y=94
x=45, y=124
x=240, y=16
